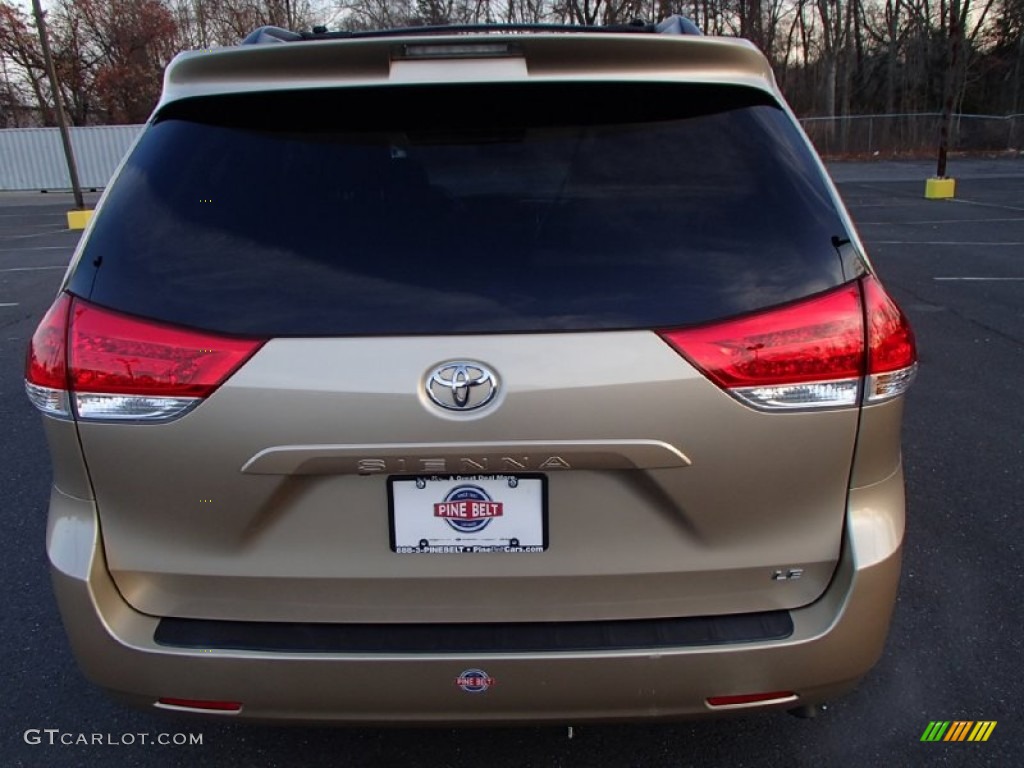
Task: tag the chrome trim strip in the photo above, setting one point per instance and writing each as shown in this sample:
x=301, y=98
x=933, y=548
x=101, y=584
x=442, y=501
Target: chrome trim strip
x=476, y=458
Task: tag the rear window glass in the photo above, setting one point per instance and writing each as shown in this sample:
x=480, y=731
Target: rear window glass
x=461, y=209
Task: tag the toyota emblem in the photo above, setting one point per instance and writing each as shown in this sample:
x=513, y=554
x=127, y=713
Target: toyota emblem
x=461, y=385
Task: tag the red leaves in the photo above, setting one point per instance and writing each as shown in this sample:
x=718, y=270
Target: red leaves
x=123, y=46
x=109, y=56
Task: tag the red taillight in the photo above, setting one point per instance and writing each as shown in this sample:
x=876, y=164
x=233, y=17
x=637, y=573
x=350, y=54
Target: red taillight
x=118, y=354
x=890, y=340
x=821, y=339
x=46, y=365
x=811, y=354
x=116, y=366
x=208, y=705
x=892, y=352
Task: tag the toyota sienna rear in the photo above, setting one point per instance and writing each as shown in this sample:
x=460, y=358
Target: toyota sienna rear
x=486, y=377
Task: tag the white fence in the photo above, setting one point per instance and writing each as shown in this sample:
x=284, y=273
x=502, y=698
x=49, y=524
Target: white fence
x=33, y=158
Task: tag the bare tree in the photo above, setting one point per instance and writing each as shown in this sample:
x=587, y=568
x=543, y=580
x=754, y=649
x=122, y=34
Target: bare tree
x=831, y=57
x=20, y=46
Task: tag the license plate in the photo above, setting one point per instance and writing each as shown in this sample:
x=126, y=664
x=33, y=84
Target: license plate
x=458, y=514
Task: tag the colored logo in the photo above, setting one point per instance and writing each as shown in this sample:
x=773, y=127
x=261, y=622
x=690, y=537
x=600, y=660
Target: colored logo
x=474, y=681
x=461, y=386
x=958, y=730
x=468, y=509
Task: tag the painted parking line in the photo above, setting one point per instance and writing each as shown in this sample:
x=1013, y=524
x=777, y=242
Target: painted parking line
x=981, y=244
x=1018, y=219
x=1001, y=206
x=8, y=303
x=853, y=204
x=37, y=248
x=59, y=230
x=983, y=279
x=33, y=269
x=28, y=215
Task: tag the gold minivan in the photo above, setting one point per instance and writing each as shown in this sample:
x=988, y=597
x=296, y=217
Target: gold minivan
x=488, y=374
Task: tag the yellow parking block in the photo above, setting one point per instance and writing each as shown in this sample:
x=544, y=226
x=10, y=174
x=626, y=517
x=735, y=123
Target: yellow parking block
x=78, y=219
x=939, y=188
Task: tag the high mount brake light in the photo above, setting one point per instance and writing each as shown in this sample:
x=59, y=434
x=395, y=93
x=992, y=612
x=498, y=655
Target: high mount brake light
x=812, y=354
x=95, y=363
x=459, y=51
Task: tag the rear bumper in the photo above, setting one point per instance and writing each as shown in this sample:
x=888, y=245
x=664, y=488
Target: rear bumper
x=834, y=642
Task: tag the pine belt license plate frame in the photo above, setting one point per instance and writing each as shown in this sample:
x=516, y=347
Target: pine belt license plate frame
x=484, y=513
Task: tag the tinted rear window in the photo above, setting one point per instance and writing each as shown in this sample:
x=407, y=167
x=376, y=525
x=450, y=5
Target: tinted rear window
x=464, y=209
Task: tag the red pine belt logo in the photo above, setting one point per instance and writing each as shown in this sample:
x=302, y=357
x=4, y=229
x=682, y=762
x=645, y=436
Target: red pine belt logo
x=468, y=509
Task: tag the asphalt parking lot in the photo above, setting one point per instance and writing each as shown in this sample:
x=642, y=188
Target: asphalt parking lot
x=955, y=651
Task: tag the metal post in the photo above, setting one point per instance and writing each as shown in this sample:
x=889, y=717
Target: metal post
x=951, y=87
x=58, y=104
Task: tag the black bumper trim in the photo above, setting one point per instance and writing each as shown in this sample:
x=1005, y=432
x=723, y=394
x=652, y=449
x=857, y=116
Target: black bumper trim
x=473, y=638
